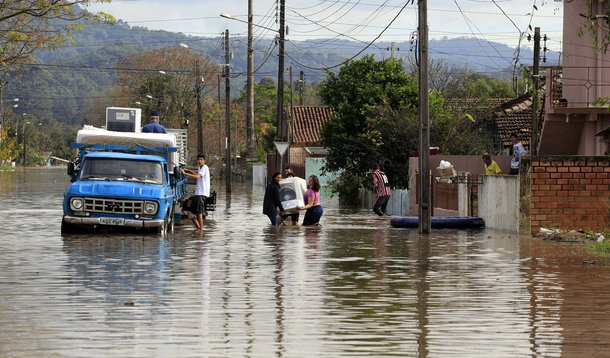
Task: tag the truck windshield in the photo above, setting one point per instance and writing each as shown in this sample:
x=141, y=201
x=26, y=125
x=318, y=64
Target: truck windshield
x=122, y=169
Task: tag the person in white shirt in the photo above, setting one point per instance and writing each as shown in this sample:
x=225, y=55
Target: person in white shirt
x=202, y=190
x=518, y=152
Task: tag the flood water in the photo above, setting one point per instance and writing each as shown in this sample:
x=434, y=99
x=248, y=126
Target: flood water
x=355, y=287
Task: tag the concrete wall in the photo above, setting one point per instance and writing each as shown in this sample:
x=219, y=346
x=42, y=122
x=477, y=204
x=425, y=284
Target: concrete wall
x=499, y=201
x=313, y=166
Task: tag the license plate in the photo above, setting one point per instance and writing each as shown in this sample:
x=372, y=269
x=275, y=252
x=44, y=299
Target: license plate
x=112, y=221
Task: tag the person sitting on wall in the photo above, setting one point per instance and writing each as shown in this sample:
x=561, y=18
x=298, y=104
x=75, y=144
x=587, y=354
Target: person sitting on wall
x=491, y=167
x=154, y=126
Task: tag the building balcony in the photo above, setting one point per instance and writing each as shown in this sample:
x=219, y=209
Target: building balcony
x=574, y=90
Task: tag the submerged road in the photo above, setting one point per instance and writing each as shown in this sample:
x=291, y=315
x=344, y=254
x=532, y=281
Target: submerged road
x=355, y=287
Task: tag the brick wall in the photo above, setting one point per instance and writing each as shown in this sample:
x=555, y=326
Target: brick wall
x=569, y=192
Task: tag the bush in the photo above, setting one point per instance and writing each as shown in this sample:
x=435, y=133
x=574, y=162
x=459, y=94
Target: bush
x=347, y=187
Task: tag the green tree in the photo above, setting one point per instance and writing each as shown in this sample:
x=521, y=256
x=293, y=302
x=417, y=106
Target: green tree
x=361, y=94
x=29, y=25
x=377, y=120
x=165, y=80
x=460, y=82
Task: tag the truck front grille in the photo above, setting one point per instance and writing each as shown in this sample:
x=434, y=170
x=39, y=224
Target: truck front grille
x=100, y=205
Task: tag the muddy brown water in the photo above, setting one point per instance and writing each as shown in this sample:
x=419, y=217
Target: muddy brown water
x=355, y=287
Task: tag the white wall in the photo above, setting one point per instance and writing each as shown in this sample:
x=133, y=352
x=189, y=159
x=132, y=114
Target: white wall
x=499, y=202
x=259, y=174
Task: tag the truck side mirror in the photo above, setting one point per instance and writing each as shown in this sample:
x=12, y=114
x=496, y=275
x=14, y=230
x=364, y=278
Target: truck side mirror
x=176, y=173
x=71, y=169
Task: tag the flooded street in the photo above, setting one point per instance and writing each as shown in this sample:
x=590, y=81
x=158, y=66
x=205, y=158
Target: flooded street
x=355, y=287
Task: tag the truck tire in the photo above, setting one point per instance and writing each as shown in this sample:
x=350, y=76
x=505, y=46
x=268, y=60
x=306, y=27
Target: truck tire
x=67, y=228
x=168, y=224
x=172, y=220
x=162, y=230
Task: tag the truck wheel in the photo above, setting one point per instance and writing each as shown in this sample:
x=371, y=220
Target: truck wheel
x=172, y=221
x=67, y=228
x=162, y=230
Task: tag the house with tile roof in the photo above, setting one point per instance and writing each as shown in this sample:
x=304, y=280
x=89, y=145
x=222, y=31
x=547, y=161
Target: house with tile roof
x=304, y=132
x=574, y=122
x=502, y=117
x=514, y=116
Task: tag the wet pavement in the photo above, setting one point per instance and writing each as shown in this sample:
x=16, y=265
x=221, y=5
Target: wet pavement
x=355, y=287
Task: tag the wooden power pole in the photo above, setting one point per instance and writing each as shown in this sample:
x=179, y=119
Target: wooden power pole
x=536, y=77
x=424, y=121
x=227, y=113
x=250, y=87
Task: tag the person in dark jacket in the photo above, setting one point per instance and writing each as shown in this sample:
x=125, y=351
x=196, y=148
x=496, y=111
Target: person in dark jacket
x=272, y=199
x=154, y=126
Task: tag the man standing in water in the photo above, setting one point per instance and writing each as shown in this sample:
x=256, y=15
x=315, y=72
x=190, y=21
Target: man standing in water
x=202, y=190
x=382, y=191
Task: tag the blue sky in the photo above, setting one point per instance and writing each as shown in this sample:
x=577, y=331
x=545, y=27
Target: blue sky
x=360, y=20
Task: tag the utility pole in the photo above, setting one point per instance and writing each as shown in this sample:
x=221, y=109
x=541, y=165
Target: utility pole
x=393, y=50
x=227, y=113
x=2, y=83
x=250, y=87
x=424, y=121
x=301, y=86
x=219, y=121
x=280, y=80
x=536, y=77
x=289, y=126
x=199, y=115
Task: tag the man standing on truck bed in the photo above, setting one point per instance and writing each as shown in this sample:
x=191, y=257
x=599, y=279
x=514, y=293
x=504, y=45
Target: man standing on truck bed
x=154, y=126
x=202, y=190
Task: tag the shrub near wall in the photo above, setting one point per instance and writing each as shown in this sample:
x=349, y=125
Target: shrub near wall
x=570, y=192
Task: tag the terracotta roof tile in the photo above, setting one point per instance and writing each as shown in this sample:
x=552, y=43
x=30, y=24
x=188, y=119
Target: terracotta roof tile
x=307, y=122
x=515, y=116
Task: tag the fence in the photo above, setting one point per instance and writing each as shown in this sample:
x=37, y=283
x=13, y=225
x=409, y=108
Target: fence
x=397, y=205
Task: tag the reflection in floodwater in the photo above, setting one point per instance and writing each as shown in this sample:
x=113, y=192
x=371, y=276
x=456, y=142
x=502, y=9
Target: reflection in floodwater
x=355, y=287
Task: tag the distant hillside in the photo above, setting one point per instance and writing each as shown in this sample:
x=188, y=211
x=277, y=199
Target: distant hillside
x=59, y=84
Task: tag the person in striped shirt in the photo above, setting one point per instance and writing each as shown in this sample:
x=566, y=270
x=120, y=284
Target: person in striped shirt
x=382, y=191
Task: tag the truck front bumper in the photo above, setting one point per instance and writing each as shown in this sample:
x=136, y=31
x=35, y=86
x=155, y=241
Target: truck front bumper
x=128, y=222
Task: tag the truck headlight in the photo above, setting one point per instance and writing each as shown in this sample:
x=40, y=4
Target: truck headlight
x=150, y=207
x=76, y=204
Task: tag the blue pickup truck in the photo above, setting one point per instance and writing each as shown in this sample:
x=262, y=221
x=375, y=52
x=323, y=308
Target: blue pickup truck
x=123, y=185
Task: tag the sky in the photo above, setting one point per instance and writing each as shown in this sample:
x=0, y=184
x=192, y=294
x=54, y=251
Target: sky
x=358, y=20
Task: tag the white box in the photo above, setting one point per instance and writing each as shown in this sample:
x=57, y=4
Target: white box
x=291, y=193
